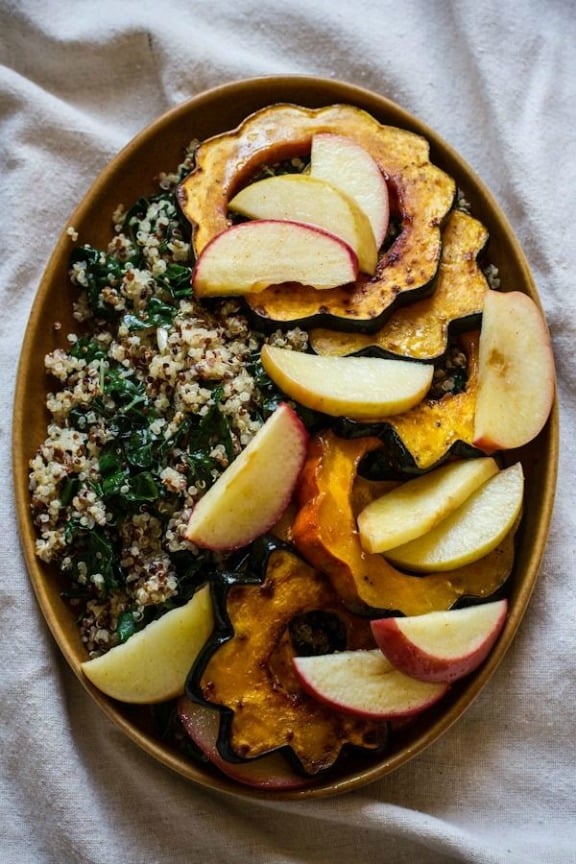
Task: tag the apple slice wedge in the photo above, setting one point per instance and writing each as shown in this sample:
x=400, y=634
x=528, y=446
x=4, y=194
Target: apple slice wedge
x=516, y=378
x=253, y=492
x=271, y=772
x=362, y=388
x=152, y=666
x=441, y=646
x=365, y=683
x=345, y=164
x=415, y=507
x=247, y=258
x=472, y=531
x=305, y=199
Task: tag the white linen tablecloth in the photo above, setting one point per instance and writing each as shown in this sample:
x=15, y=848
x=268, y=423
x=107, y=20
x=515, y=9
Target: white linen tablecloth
x=498, y=81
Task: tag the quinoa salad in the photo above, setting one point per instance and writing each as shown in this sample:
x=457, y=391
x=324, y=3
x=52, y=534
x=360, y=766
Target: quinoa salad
x=154, y=397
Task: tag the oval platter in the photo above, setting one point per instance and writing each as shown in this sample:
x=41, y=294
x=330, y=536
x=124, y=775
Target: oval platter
x=126, y=178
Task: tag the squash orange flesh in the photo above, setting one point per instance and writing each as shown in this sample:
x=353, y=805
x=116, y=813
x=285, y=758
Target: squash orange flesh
x=429, y=430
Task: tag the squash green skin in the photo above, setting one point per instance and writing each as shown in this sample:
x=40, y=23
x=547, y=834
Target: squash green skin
x=421, y=196
x=250, y=654
x=434, y=430
x=421, y=330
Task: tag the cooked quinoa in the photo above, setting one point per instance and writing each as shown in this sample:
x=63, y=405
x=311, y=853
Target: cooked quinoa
x=152, y=399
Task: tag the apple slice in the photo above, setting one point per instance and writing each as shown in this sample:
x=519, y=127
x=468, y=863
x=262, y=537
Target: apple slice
x=152, y=666
x=267, y=772
x=305, y=199
x=347, y=165
x=365, y=683
x=415, y=507
x=249, y=257
x=441, y=646
x=253, y=492
x=472, y=531
x=516, y=378
x=362, y=388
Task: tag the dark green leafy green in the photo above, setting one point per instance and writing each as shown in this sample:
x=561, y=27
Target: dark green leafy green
x=97, y=552
x=68, y=489
x=213, y=429
x=127, y=625
x=87, y=349
x=139, y=447
x=156, y=314
x=175, y=281
x=100, y=271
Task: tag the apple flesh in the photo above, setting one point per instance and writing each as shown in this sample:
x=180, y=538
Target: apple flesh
x=472, y=531
x=365, y=683
x=152, y=666
x=304, y=199
x=271, y=772
x=516, y=379
x=253, y=492
x=441, y=646
x=362, y=388
x=345, y=164
x=415, y=507
x=249, y=257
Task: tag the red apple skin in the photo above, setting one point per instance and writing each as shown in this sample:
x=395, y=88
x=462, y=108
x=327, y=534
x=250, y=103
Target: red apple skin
x=398, y=710
x=271, y=772
x=263, y=525
x=378, y=183
x=414, y=661
x=258, y=233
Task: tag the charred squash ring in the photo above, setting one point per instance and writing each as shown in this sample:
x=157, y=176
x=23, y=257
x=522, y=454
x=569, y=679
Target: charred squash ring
x=422, y=195
x=421, y=329
x=246, y=668
x=434, y=430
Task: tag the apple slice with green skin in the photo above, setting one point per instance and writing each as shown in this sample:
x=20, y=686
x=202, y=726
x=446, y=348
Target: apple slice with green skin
x=415, y=507
x=347, y=165
x=152, y=666
x=441, y=646
x=304, y=199
x=362, y=388
x=472, y=531
x=253, y=492
x=365, y=683
x=247, y=258
x=267, y=772
x=516, y=378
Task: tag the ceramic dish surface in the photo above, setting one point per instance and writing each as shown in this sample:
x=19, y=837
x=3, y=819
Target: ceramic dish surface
x=130, y=176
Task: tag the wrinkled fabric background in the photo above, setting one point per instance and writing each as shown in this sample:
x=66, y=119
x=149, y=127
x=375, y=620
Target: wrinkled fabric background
x=496, y=80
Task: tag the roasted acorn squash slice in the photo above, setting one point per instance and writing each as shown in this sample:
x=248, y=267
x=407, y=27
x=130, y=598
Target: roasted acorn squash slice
x=421, y=330
x=246, y=669
x=325, y=533
x=421, y=195
x=438, y=428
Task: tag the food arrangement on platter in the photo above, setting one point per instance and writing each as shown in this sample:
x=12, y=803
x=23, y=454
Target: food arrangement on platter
x=280, y=475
